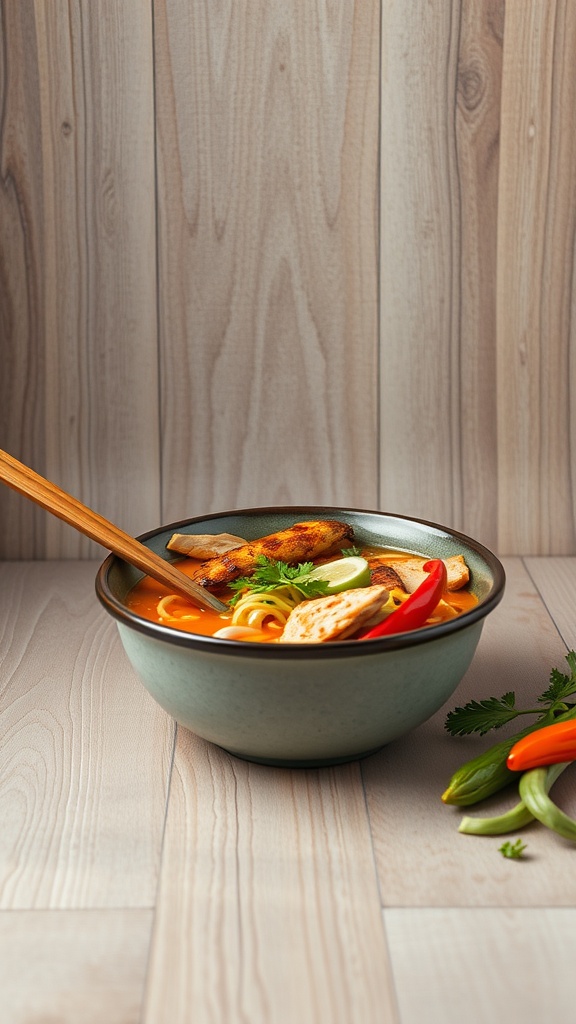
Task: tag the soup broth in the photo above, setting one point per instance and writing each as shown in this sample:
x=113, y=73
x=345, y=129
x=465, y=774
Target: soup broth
x=156, y=603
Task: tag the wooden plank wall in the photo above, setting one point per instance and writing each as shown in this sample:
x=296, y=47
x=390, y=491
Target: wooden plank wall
x=262, y=251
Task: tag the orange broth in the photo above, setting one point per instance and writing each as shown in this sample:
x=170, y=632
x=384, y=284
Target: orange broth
x=144, y=598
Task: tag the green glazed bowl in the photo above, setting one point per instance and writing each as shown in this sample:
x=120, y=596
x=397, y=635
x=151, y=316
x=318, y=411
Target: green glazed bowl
x=305, y=705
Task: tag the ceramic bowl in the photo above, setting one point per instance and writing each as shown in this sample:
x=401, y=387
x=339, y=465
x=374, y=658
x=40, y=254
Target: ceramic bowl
x=305, y=704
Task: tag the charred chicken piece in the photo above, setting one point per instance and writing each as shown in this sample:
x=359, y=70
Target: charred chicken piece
x=299, y=543
x=385, y=575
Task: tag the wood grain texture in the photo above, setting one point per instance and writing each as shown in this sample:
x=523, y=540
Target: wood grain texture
x=85, y=752
x=22, y=286
x=477, y=127
x=71, y=966
x=268, y=908
x=267, y=119
x=78, y=278
x=482, y=965
x=535, y=295
x=259, y=251
x=420, y=243
x=423, y=861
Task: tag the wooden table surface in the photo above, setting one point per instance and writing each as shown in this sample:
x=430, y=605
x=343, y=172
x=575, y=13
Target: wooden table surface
x=146, y=875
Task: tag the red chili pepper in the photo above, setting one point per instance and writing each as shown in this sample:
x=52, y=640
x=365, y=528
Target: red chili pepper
x=415, y=609
x=553, y=744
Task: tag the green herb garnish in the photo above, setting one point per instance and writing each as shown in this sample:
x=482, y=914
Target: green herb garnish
x=561, y=685
x=513, y=851
x=352, y=552
x=484, y=715
x=270, y=575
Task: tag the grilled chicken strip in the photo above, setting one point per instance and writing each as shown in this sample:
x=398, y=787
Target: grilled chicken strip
x=384, y=575
x=299, y=543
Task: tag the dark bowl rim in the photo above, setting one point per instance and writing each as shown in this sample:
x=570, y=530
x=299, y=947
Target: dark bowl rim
x=334, y=648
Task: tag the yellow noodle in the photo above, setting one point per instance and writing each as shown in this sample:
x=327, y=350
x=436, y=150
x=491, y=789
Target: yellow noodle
x=442, y=612
x=166, y=616
x=253, y=609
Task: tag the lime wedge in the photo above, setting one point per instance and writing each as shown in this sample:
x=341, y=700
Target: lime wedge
x=343, y=574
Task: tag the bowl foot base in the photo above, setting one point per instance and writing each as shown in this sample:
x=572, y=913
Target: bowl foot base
x=322, y=762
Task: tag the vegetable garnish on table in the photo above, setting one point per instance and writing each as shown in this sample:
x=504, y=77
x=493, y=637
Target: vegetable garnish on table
x=549, y=745
x=554, y=732
x=514, y=851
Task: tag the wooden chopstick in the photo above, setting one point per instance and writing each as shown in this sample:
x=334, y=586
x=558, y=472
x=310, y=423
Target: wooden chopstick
x=61, y=504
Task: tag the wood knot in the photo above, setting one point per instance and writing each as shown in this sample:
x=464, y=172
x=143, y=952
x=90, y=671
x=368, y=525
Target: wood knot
x=471, y=86
x=66, y=128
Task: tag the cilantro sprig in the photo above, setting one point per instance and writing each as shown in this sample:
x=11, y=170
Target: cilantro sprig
x=514, y=851
x=270, y=574
x=494, y=712
x=561, y=685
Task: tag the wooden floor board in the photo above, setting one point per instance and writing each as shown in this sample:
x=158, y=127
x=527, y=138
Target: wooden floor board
x=555, y=579
x=483, y=965
x=535, y=296
x=268, y=908
x=69, y=967
x=85, y=751
x=78, y=299
x=267, y=253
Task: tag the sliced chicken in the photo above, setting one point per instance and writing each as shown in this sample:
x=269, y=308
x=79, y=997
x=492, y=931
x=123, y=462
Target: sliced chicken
x=333, y=618
x=412, y=575
x=299, y=543
x=200, y=545
x=385, y=575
